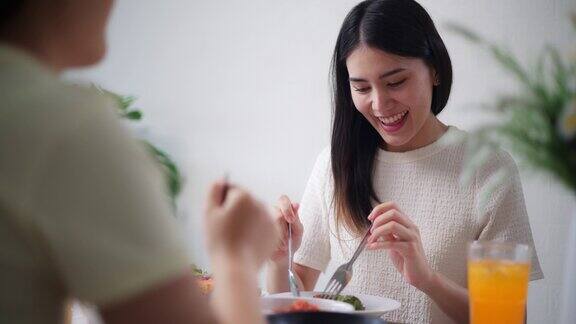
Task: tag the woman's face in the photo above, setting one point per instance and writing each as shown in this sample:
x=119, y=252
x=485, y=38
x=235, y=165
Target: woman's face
x=393, y=93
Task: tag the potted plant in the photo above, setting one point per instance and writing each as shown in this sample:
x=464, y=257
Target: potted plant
x=538, y=125
x=172, y=174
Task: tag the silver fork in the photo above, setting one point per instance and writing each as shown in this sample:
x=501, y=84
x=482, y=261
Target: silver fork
x=343, y=274
x=291, y=277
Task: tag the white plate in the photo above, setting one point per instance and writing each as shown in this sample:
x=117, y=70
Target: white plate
x=272, y=303
x=375, y=305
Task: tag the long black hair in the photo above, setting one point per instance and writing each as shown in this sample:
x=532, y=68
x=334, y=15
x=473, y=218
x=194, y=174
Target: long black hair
x=400, y=27
x=9, y=9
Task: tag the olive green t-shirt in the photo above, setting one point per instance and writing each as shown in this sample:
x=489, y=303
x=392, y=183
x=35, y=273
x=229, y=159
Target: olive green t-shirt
x=83, y=211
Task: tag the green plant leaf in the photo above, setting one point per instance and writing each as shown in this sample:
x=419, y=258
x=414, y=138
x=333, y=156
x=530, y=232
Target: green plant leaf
x=172, y=173
x=134, y=115
x=170, y=170
x=465, y=32
x=529, y=119
x=126, y=102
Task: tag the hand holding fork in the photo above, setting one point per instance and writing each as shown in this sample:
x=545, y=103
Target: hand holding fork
x=288, y=221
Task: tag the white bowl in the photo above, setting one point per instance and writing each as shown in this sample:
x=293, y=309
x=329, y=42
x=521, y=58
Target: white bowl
x=270, y=304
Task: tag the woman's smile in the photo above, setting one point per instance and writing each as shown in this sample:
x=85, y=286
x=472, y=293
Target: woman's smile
x=394, y=123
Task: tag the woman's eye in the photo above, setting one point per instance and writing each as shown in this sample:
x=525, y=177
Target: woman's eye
x=361, y=90
x=396, y=84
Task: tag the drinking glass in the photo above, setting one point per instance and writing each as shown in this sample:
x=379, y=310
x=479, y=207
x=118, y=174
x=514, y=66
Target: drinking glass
x=498, y=275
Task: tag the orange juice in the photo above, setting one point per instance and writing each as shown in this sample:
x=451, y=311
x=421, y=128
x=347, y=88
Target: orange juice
x=498, y=290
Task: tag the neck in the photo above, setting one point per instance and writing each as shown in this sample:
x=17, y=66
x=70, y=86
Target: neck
x=430, y=132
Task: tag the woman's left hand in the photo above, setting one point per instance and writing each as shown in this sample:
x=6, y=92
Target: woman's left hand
x=396, y=233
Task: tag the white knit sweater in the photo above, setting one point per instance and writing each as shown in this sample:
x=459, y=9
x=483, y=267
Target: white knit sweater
x=425, y=185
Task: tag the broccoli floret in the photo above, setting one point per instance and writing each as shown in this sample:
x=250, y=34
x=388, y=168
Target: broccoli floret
x=352, y=300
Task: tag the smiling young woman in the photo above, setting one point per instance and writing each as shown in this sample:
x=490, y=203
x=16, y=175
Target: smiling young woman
x=393, y=168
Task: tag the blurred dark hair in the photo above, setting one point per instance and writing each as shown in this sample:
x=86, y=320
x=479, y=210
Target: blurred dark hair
x=400, y=27
x=10, y=9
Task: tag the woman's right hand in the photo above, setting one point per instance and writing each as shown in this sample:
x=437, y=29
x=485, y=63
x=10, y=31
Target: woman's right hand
x=238, y=225
x=286, y=212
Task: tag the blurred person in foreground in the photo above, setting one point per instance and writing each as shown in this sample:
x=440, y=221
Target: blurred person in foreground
x=82, y=209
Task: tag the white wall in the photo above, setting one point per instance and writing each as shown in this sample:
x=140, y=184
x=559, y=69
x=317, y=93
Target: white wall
x=242, y=87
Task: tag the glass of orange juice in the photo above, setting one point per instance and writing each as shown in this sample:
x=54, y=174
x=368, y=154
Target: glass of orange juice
x=498, y=276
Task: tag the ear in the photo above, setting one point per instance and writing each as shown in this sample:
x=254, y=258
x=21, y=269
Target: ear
x=435, y=77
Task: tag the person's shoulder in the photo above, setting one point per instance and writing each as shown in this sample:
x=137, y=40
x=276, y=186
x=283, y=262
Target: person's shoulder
x=499, y=159
x=322, y=166
x=75, y=103
x=35, y=96
x=52, y=117
x=323, y=161
x=462, y=142
x=57, y=109
x=503, y=158
x=497, y=174
x=324, y=155
x=455, y=138
x=488, y=165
